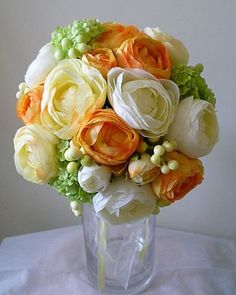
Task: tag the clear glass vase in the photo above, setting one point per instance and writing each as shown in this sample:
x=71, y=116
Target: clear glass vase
x=120, y=258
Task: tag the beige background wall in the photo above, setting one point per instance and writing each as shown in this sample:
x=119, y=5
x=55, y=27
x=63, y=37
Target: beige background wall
x=207, y=27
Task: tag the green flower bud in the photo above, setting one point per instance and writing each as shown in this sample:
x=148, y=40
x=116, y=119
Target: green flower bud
x=26, y=90
x=168, y=146
x=86, y=161
x=72, y=167
x=72, y=154
x=19, y=94
x=82, y=38
x=59, y=54
x=73, y=53
x=155, y=159
x=159, y=150
x=82, y=47
x=165, y=169
x=173, y=164
x=66, y=43
x=77, y=213
x=22, y=86
x=75, y=205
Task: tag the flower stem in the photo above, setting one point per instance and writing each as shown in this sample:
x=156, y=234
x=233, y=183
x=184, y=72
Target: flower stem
x=102, y=245
x=145, y=243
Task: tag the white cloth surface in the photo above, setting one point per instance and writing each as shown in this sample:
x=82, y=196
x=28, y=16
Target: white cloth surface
x=53, y=262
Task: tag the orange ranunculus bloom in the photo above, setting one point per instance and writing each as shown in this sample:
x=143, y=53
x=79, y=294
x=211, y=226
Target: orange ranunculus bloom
x=102, y=59
x=145, y=53
x=114, y=35
x=176, y=184
x=28, y=107
x=106, y=138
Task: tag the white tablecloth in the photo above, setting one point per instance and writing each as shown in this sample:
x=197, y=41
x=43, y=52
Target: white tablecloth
x=53, y=263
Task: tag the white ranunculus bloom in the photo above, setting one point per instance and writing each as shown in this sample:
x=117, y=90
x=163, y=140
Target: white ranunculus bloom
x=94, y=178
x=35, y=149
x=177, y=51
x=41, y=66
x=124, y=202
x=195, y=127
x=142, y=101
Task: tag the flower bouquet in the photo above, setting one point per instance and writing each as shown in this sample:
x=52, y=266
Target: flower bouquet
x=116, y=118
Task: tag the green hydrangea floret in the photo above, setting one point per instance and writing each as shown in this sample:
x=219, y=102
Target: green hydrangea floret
x=65, y=183
x=73, y=40
x=191, y=83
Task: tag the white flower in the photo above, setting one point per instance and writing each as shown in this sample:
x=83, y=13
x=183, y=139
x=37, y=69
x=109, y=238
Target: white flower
x=142, y=171
x=94, y=178
x=195, y=127
x=41, y=66
x=124, y=202
x=177, y=51
x=142, y=101
x=35, y=148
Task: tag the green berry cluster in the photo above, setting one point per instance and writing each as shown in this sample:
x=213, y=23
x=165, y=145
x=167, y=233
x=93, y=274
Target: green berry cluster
x=66, y=182
x=22, y=89
x=190, y=83
x=158, y=158
x=72, y=41
x=76, y=208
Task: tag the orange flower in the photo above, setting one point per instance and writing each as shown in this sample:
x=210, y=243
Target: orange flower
x=114, y=35
x=145, y=53
x=102, y=59
x=28, y=106
x=106, y=138
x=176, y=184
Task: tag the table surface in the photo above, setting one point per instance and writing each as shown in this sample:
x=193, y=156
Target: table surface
x=53, y=262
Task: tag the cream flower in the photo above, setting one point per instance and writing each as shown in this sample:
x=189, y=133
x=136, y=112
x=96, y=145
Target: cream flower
x=94, y=178
x=41, y=66
x=177, y=51
x=35, y=153
x=142, y=171
x=72, y=89
x=195, y=127
x=124, y=202
x=142, y=101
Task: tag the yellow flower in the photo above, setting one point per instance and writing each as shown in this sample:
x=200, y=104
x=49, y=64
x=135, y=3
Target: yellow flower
x=71, y=90
x=34, y=157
